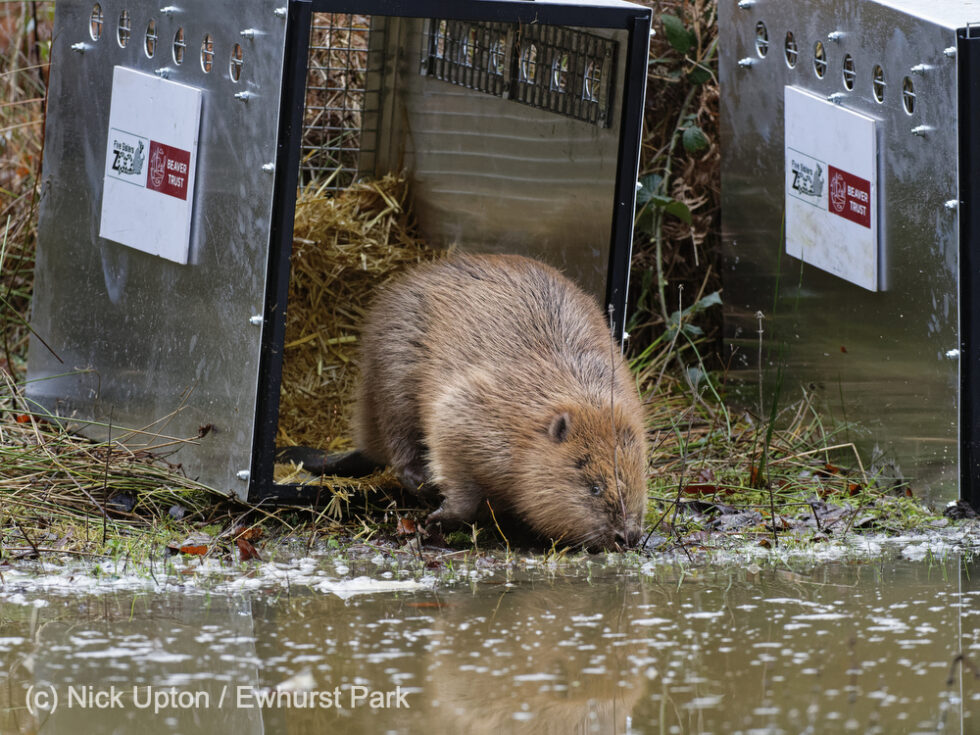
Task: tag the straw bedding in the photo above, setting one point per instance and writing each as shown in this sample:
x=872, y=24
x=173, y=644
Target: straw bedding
x=345, y=246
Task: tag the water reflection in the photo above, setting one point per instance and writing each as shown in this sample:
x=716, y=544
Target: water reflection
x=844, y=647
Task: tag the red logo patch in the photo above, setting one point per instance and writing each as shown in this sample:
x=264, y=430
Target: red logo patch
x=849, y=196
x=168, y=171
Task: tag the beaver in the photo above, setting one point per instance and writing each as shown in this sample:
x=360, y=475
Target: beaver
x=496, y=380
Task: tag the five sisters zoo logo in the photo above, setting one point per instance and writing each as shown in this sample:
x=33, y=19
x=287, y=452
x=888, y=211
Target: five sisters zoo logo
x=806, y=178
x=127, y=155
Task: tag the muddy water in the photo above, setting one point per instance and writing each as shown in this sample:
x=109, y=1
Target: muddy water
x=841, y=647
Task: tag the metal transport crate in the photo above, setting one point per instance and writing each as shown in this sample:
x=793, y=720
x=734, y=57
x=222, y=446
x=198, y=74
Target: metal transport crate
x=177, y=136
x=851, y=223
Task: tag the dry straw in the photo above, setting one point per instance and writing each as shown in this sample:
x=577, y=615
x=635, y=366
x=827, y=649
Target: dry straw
x=345, y=246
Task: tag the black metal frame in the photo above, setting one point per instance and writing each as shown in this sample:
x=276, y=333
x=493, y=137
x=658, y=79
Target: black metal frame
x=968, y=55
x=634, y=19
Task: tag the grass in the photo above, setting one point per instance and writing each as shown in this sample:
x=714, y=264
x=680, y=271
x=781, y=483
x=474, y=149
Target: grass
x=63, y=494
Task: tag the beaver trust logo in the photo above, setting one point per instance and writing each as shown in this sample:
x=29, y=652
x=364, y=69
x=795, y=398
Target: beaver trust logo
x=158, y=167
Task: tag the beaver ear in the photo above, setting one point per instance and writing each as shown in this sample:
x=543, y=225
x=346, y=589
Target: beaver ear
x=558, y=431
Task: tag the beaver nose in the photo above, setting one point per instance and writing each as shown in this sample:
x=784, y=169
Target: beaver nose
x=628, y=538
x=623, y=539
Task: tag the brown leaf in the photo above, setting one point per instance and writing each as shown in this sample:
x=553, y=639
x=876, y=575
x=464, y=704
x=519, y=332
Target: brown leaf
x=249, y=533
x=406, y=526
x=246, y=552
x=828, y=470
x=197, y=543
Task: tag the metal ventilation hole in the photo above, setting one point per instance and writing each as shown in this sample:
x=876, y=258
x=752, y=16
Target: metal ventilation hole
x=179, y=46
x=878, y=83
x=761, y=39
x=207, y=53
x=790, y=50
x=908, y=95
x=123, y=29
x=150, y=39
x=848, y=73
x=819, y=59
x=236, y=63
x=95, y=22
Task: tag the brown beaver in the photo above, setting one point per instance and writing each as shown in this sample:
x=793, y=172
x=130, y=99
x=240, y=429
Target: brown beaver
x=495, y=378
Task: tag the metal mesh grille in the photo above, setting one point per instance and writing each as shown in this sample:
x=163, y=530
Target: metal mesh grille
x=564, y=71
x=336, y=95
x=473, y=55
x=550, y=67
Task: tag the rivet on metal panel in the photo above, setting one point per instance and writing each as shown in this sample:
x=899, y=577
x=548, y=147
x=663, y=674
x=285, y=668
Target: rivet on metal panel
x=255, y=320
x=745, y=4
x=952, y=204
x=279, y=12
x=269, y=168
x=80, y=47
x=243, y=475
x=163, y=72
x=949, y=52
x=169, y=10
x=243, y=96
x=921, y=130
x=920, y=68
x=835, y=36
x=746, y=62
x=250, y=33
x=836, y=97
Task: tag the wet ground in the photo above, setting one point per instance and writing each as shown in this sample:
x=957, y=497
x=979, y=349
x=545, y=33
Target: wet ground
x=603, y=645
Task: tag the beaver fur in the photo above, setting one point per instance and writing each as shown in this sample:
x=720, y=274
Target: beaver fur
x=496, y=380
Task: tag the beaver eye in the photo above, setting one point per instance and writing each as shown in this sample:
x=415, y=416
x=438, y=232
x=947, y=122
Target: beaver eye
x=595, y=490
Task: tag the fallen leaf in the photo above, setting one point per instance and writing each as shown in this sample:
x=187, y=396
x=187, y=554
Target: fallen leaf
x=828, y=470
x=196, y=543
x=246, y=552
x=249, y=533
x=406, y=526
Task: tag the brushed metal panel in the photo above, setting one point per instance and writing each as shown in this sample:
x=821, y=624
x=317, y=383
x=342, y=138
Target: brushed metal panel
x=886, y=361
x=147, y=343
x=493, y=175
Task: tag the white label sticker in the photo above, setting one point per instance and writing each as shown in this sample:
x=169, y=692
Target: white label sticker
x=151, y=156
x=831, y=188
